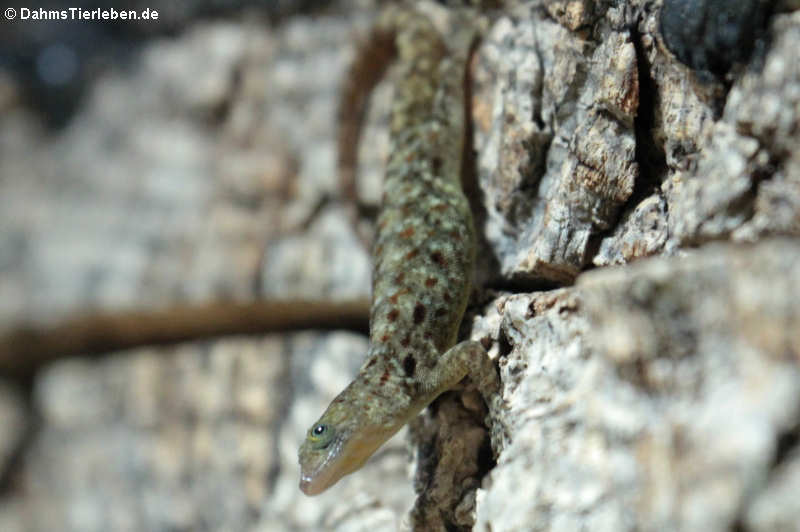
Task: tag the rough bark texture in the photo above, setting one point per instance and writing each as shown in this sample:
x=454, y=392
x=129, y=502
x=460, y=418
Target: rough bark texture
x=663, y=395
x=555, y=141
x=660, y=395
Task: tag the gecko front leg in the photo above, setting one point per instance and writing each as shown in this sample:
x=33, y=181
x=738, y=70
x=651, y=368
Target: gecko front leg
x=467, y=359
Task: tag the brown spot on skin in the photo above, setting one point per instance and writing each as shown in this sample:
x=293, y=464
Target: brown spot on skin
x=413, y=253
x=384, y=338
x=436, y=164
x=393, y=297
x=409, y=364
x=379, y=250
x=440, y=207
x=438, y=258
x=441, y=311
x=446, y=297
x=405, y=341
x=431, y=281
x=419, y=313
x=407, y=232
x=371, y=362
x=392, y=315
x=384, y=377
x=399, y=277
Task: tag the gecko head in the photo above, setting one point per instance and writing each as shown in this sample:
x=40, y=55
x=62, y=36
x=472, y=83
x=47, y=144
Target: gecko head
x=335, y=446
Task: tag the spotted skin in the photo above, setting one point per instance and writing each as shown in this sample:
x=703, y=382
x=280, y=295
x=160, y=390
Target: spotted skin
x=423, y=260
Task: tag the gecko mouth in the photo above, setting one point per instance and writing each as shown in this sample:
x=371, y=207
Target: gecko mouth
x=308, y=486
x=341, y=459
x=319, y=480
x=314, y=479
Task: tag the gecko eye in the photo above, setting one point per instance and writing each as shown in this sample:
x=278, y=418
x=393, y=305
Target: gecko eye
x=320, y=435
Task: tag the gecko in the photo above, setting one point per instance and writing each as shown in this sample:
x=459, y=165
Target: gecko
x=423, y=257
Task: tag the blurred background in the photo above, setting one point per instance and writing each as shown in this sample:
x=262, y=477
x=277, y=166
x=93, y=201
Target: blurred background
x=146, y=168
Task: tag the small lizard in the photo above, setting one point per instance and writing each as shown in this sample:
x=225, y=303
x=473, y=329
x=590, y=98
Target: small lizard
x=423, y=259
